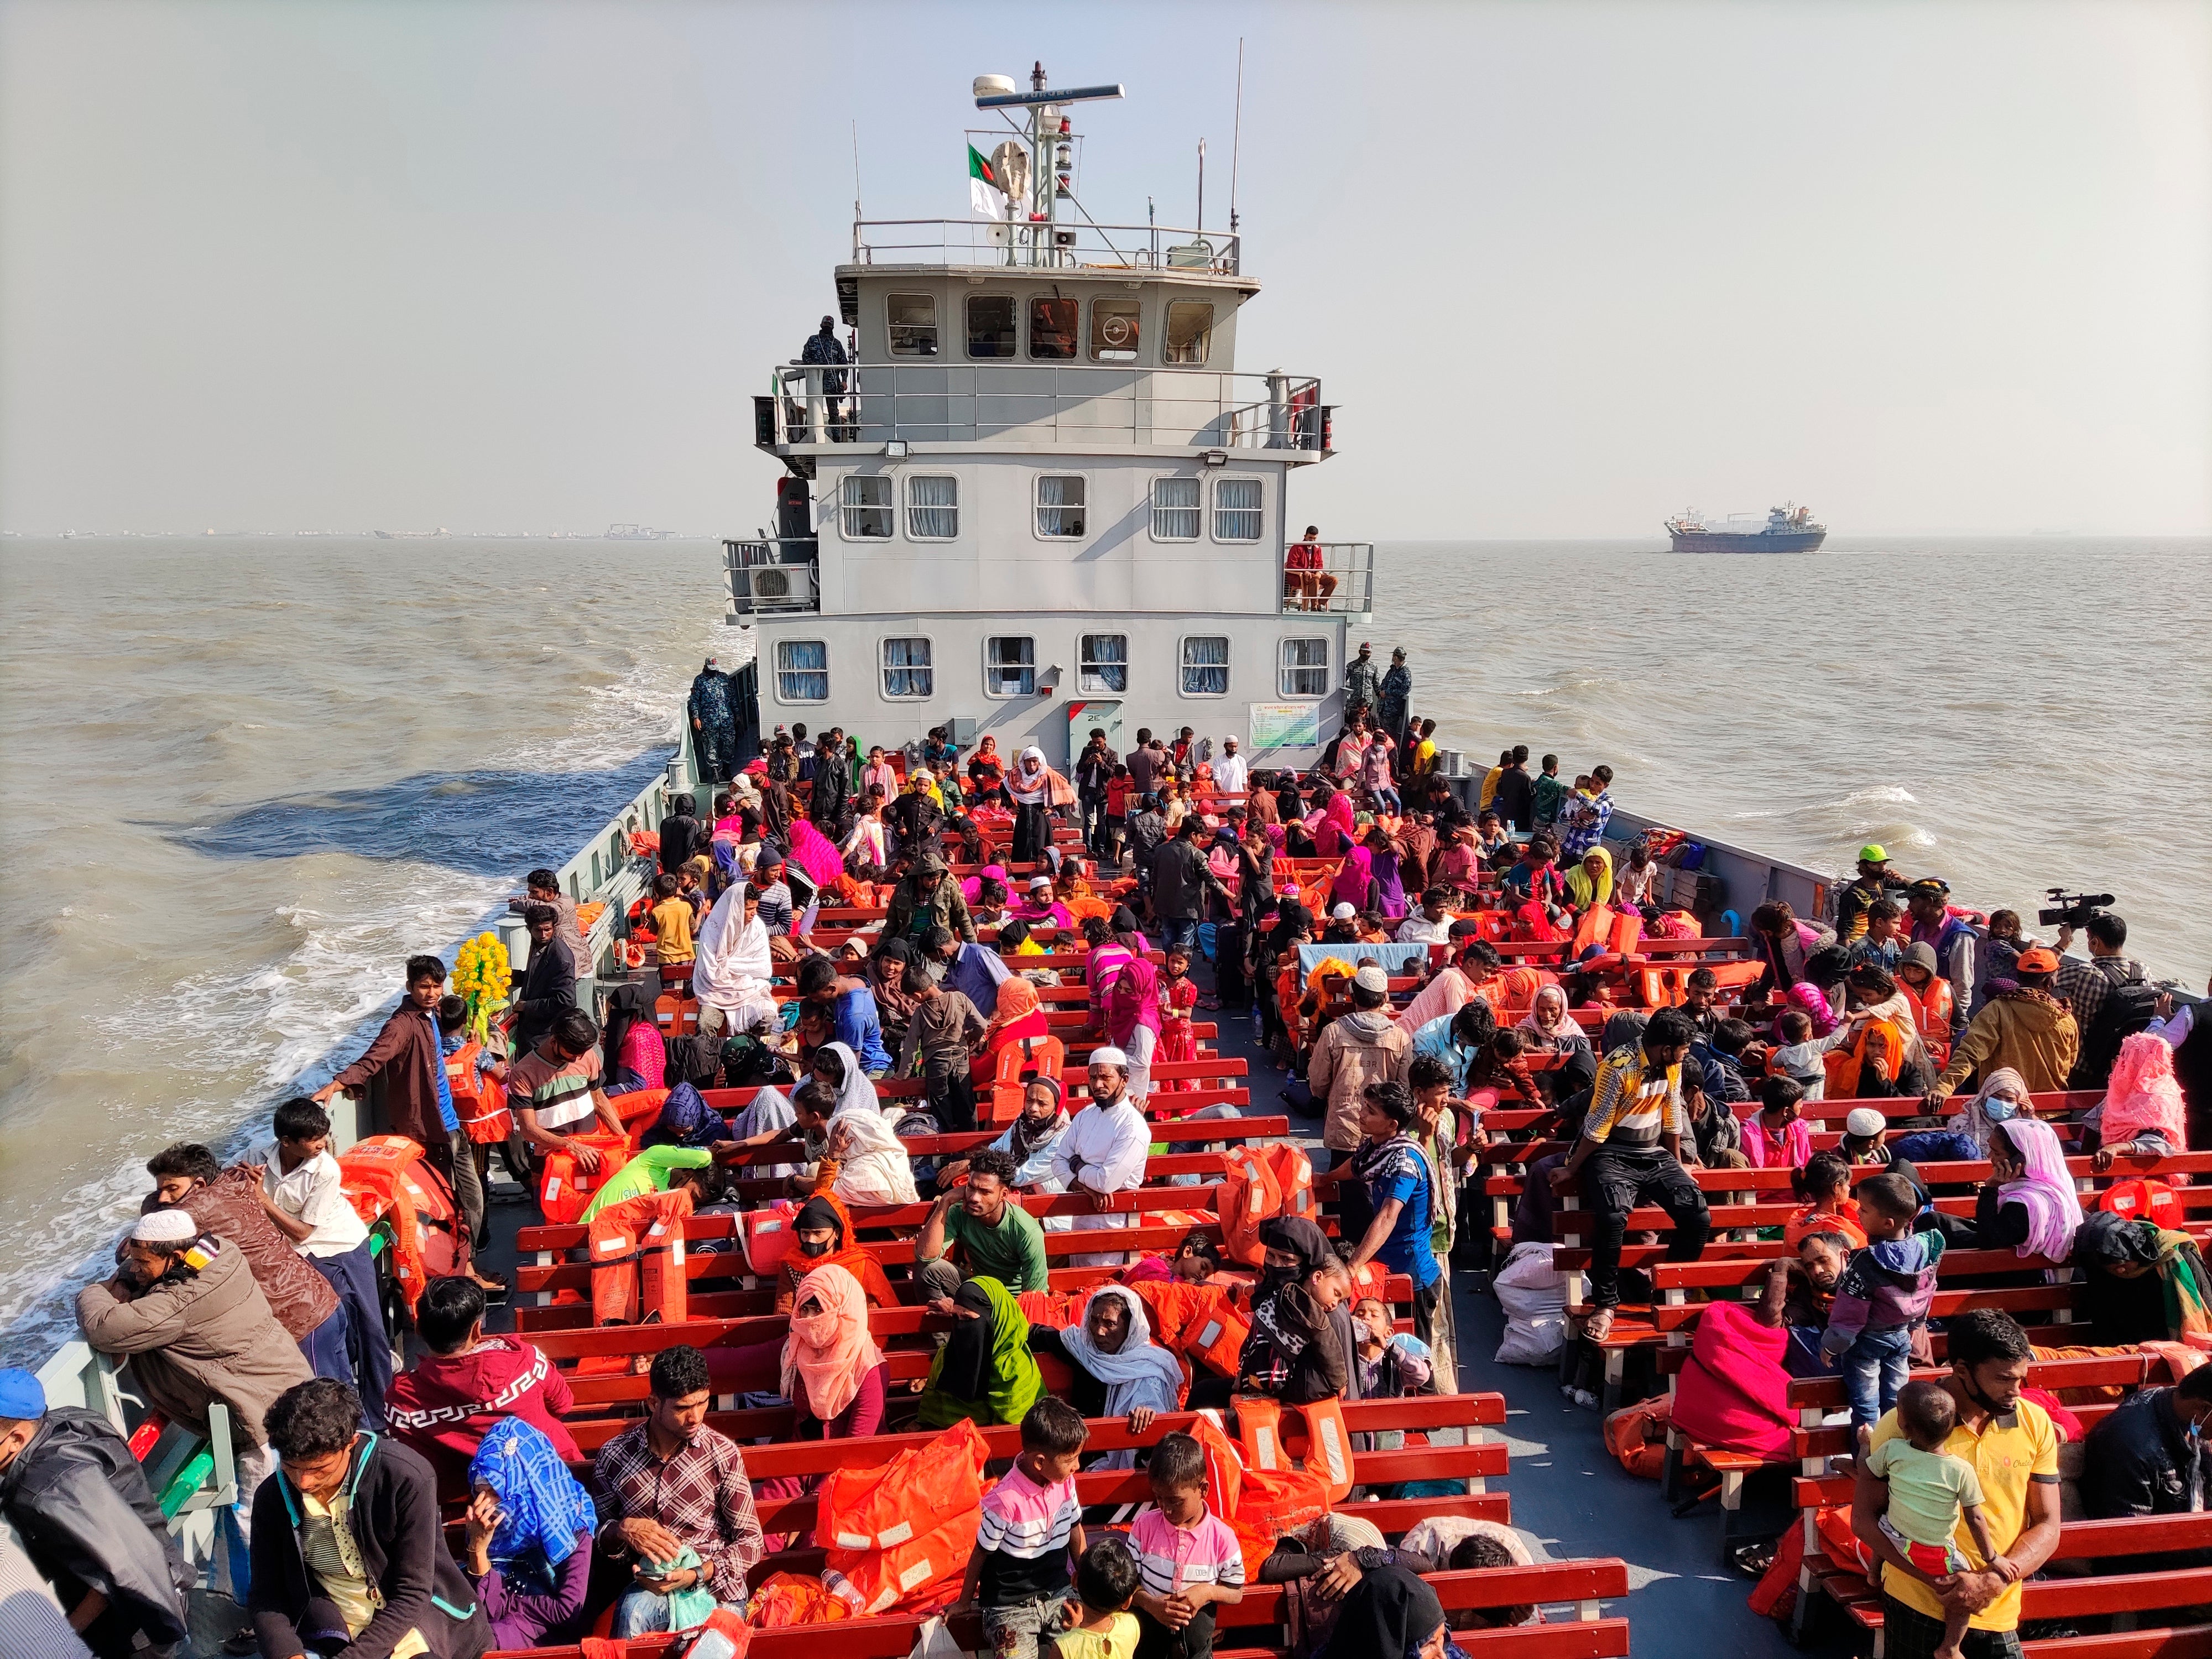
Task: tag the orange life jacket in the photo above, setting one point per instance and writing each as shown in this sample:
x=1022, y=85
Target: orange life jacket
x=1328, y=1447
x=479, y=1102
x=378, y=1177
x=637, y=1259
x=1216, y=1336
x=1931, y=1011
x=1262, y=1183
x=564, y=1192
x=898, y=1536
x=1044, y=1055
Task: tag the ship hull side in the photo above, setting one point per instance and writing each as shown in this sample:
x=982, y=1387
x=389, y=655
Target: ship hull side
x=1794, y=541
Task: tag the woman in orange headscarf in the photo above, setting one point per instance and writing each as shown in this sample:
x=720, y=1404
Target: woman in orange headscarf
x=825, y=1214
x=1019, y=1014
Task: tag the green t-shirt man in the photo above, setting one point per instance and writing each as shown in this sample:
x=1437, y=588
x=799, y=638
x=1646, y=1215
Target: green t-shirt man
x=1012, y=1252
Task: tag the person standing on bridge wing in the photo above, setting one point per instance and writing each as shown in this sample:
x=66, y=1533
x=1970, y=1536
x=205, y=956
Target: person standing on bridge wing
x=1629, y=1153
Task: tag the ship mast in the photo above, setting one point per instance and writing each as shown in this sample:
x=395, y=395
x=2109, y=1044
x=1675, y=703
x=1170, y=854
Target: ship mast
x=1051, y=156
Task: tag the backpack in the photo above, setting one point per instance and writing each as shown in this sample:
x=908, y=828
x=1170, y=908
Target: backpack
x=2127, y=1008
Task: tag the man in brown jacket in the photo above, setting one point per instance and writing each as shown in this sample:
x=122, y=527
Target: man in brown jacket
x=224, y=1202
x=184, y=1309
x=2027, y=1029
x=405, y=1059
x=1362, y=1047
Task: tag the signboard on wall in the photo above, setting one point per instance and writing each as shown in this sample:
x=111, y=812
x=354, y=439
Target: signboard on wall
x=1285, y=726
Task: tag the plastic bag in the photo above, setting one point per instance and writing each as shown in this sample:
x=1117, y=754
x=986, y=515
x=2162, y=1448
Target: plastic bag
x=1534, y=1294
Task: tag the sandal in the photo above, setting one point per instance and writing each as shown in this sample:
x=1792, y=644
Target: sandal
x=1598, y=1326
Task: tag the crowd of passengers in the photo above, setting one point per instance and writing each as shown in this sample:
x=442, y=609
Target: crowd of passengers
x=253, y=1286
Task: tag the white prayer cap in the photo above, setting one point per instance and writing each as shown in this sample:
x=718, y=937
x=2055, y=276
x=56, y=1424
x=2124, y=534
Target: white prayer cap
x=1343, y=913
x=1370, y=977
x=166, y=1227
x=1864, y=1121
x=1110, y=1057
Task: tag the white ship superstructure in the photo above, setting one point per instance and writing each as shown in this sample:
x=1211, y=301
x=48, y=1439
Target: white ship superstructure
x=1043, y=497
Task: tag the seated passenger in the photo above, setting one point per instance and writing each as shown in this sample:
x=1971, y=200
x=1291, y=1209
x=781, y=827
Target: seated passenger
x=1800, y=1295
x=71, y=1486
x=1824, y=1182
x=2143, y=1458
x=1776, y=1137
x=527, y=1540
x=1301, y=1348
x=685, y=1523
x=1391, y=1612
x=2028, y=1203
x=822, y=1234
x=1113, y=1352
x=833, y=1372
x=985, y=1372
x=997, y=1238
x=349, y=1554
x=1391, y=1363
x=467, y=1382
x=1632, y=1144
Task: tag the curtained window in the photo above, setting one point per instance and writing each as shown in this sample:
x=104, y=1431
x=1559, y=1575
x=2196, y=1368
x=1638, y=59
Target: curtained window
x=802, y=671
x=1205, y=666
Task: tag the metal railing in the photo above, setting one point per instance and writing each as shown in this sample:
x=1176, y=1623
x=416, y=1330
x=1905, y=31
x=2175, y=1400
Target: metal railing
x=1343, y=586
x=1044, y=402
x=1036, y=246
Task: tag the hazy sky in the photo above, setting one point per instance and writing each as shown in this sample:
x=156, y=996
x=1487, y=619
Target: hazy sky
x=1566, y=267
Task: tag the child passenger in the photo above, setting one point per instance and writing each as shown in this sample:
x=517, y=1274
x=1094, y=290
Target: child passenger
x=1882, y=1299
x=1019, y=1572
x=1189, y=1559
x=1101, y=1625
x=1929, y=1491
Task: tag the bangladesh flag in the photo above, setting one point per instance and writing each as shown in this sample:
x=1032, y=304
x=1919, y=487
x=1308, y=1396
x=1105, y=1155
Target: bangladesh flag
x=986, y=191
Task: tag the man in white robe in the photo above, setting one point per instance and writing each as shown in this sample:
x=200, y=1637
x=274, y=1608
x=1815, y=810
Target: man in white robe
x=1104, y=1149
x=731, y=972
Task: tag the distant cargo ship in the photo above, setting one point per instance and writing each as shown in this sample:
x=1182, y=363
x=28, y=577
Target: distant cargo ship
x=1788, y=529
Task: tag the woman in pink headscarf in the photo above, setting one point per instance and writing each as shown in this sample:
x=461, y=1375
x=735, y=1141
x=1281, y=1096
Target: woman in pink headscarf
x=1332, y=825
x=1355, y=880
x=2028, y=1202
x=816, y=853
x=1132, y=1020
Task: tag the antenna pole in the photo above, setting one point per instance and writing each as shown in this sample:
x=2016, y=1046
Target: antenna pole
x=1201, y=183
x=856, y=171
x=1235, y=137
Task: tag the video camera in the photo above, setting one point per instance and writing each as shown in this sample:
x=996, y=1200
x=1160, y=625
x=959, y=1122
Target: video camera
x=2070, y=910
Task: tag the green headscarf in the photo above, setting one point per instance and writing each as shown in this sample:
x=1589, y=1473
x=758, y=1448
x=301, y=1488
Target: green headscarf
x=990, y=1355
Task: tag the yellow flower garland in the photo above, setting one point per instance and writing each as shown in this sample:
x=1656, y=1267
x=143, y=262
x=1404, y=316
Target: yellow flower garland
x=482, y=976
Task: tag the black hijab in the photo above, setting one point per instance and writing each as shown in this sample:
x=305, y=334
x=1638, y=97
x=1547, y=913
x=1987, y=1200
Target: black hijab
x=628, y=1004
x=1390, y=1615
x=815, y=1214
x=967, y=1372
x=1299, y=1237
x=2107, y=1240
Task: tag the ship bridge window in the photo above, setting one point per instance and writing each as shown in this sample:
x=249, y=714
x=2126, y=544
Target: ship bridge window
x=1236, y=510
x=802, y=671
x=1189, y=332
x=864, y=506
x=990, y=325
x=1103, y=665
x=908, y=668
x=1205, y=666
x=1302, y=669
x=1010, y=665
x=913, y=320
x=1059, y=506
x=1053, y=325
x=932, y=507
x=1114, y=329
x=1175, y=509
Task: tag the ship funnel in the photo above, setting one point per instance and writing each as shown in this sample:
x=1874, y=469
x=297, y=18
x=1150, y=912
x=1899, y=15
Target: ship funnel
x=994, y=86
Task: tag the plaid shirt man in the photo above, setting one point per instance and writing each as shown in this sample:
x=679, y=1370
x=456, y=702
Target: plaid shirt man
x=701, y=1495
x=2084, y=981
x=1585, y=822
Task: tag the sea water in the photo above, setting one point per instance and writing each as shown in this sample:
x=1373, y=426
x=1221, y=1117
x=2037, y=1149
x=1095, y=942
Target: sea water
x=245, y=778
